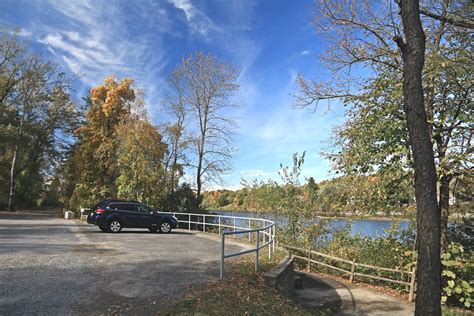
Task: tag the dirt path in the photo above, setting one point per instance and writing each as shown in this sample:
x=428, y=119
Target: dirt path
x=323, y=293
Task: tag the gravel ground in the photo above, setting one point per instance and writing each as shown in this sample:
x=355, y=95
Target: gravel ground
x=51, y=266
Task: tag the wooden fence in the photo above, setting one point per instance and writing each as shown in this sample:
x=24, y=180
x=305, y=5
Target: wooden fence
x=311, y=256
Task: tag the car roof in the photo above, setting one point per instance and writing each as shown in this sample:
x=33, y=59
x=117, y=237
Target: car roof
x=121, y=201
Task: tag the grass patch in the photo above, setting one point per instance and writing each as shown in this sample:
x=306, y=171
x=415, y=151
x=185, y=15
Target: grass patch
x=242, y=292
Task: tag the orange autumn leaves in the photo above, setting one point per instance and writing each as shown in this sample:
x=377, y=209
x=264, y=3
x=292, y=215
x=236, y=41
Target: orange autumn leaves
x=113, y=95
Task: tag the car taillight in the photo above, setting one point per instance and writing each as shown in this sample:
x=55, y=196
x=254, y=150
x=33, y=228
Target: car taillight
x=100, y=211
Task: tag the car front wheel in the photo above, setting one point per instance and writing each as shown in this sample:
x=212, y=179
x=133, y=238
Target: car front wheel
x=165, y=227
x=115, y=226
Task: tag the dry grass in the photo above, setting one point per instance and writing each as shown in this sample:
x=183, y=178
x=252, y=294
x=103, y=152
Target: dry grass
x=242, y=292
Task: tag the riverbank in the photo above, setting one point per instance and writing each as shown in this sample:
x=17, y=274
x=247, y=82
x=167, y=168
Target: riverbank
x=453, y=218
x=327, y=216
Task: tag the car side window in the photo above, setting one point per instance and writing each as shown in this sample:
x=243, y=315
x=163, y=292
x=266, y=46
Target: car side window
x=129, y=207
x=114, y=207
x=143, y=208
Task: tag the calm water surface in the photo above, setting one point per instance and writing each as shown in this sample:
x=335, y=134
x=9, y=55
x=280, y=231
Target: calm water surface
x=366, y=227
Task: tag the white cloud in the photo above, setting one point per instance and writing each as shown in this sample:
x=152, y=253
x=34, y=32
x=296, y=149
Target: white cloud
x=24, y=33
x=95, y=41
x=198, y=22
x=305, y=52
x=255, y=173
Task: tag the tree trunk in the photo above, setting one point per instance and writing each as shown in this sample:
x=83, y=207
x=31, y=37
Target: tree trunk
x=428, y=300
x=11, y=196
x=444, y=210
x=198, y=179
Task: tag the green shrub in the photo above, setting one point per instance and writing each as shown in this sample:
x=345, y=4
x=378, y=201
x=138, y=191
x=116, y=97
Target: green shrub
x=458, y=271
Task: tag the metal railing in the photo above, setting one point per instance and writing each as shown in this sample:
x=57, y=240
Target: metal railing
x=264, y=231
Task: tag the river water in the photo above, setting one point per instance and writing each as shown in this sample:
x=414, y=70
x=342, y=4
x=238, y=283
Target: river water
x=364, y=227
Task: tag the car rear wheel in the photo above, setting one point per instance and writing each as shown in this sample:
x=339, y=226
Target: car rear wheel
x=165, y=227
x=115, y=226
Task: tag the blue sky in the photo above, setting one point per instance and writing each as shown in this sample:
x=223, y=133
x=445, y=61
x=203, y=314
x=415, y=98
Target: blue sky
x=270, y=41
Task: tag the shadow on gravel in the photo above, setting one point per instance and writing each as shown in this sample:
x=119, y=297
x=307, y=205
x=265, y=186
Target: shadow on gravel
x=97, y=289
x=135, y=232
x=326, y=295
x=29, y=216
x=319, y=295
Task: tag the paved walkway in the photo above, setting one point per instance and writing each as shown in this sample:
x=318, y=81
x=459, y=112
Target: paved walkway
x=323, y=293
x=51, y=266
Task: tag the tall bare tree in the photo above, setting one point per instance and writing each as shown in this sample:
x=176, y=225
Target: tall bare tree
x=176, y=136
x=208, y=85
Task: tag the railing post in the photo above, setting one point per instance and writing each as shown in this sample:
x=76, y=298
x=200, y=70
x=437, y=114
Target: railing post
x=269, y=245
x=204, y=223
x=234, y=228
x=274, y=235
x=219, y=224
x=250, y=234
x=222, y=256
x=256, y=254
x=351, y=278
x=412, y=285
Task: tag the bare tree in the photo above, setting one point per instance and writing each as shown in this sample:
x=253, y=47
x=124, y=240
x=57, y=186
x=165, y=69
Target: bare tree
x=207, y=88
x=178, y=141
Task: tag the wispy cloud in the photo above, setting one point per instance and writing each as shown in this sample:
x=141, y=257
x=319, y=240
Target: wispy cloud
x=256, y=173
x=198, y=22
x=305, y=53
x=96, y=39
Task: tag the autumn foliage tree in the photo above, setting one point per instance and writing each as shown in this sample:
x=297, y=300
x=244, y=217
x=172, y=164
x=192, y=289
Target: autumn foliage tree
x=140, y=157
x=96, y=154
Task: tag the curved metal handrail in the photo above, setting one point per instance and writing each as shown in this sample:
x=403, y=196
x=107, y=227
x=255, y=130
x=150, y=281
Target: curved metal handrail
x=267, y=231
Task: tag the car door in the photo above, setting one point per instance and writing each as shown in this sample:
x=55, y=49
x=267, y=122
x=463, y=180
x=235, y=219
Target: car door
x=126, y=212
x=134, y=217
x=145, y=215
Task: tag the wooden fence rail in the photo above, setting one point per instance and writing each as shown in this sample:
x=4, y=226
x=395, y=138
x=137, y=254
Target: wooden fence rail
x=309, y=257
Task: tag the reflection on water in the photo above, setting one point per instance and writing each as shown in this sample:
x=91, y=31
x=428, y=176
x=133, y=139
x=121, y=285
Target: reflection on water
x=366, y=227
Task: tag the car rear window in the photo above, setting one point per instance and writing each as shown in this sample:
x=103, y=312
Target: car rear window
x=114, y=206
x=96, y=206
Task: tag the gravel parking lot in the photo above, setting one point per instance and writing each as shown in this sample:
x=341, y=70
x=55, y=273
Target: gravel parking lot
x=51, y=266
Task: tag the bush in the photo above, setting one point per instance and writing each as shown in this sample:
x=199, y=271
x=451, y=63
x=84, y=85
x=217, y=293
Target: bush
x=458, y=270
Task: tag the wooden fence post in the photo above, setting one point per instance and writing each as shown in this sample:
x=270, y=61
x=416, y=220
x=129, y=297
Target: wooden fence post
x=308, y=267
x=351, y=278
x=412, y=285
